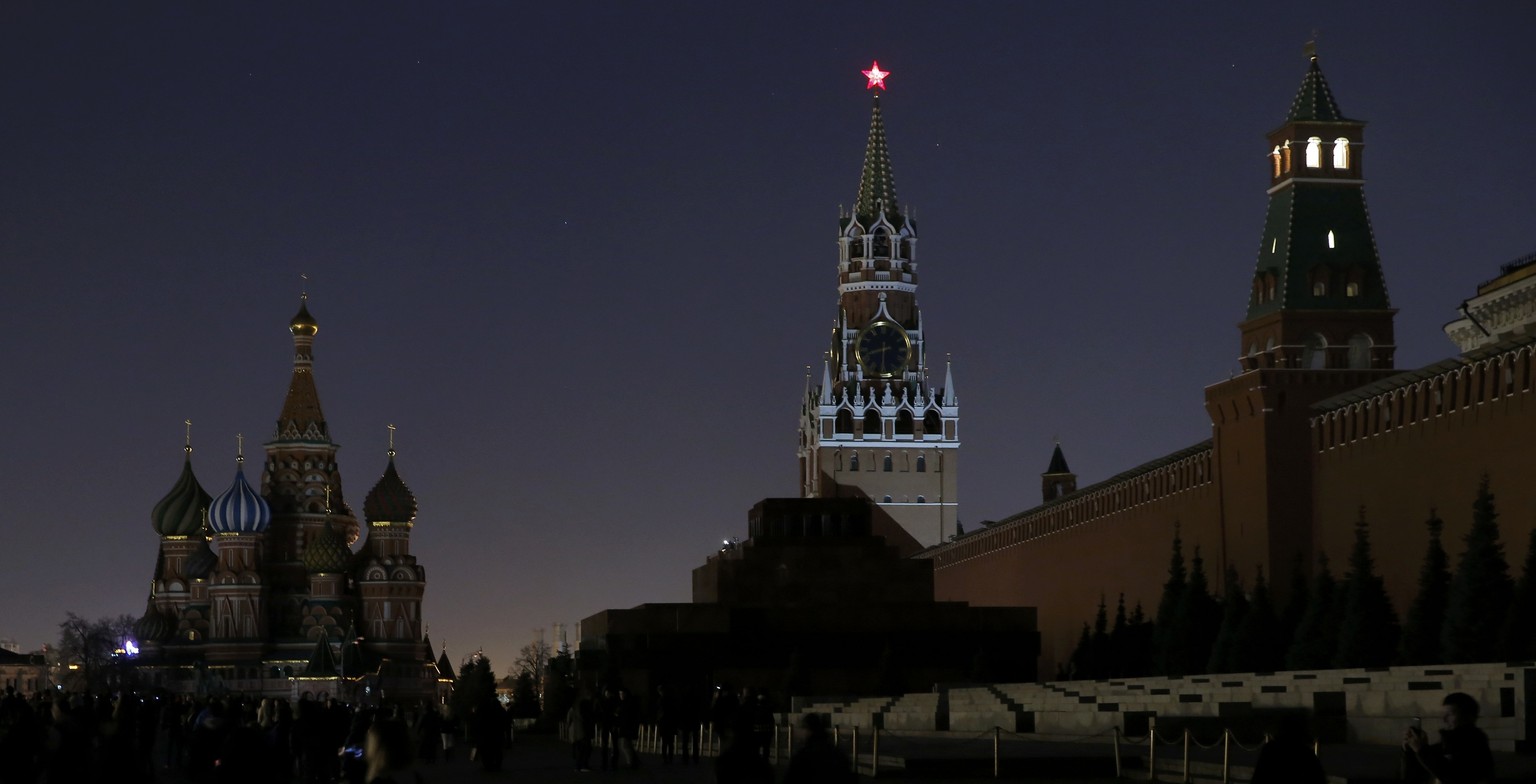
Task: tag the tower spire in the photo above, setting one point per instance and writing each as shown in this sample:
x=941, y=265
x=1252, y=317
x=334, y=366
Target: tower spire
x=877, y=188
x=301, y=418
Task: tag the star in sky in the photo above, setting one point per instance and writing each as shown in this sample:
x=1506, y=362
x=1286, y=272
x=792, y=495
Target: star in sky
x=876, y=76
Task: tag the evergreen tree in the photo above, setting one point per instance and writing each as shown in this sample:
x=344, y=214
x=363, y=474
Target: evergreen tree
x=1295, y=607
x=1258, y=647
x=1138, y=652
x=1520, y=627
x=1081, y=657
x=1119, y=642
x=1196, y=622
x=1100, y=654
x=1368, y=630
x=475, y=685
x=1317, y=635
x=1426, y=616
x=1234, y=608
x=1481, y=590
x=1163, y=644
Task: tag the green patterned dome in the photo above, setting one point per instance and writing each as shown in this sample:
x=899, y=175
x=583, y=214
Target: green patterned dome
x=327, y=552
x=179, y=513
x=153, y=626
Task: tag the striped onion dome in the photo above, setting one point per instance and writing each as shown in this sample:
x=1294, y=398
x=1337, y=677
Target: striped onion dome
x=201, y=562
x=179, y=513
x=240, y=509
x=327, y=552
x=390, y=500
x=153, y=626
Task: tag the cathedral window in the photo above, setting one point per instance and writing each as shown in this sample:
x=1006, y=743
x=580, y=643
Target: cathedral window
x=844, y=423
x=931, y=424
x=1341, y=153
x=886, y=464
x=1332, y=243
x=904, y=423
x=922, y=500
x=853, y=461
x=1285, y=156
x=1274, y=157
x=1351, y=289
x=872, y=424
x=922, y=464
x=1314, y=153
x=887, y=499
x=1314, y=352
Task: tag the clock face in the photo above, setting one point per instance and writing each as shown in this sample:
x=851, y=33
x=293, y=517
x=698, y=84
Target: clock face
x=883, y=348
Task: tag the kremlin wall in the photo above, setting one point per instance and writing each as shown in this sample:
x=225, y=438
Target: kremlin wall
x=1319, y=426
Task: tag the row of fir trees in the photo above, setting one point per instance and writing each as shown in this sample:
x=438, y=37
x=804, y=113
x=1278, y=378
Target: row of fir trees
x=1476, y=613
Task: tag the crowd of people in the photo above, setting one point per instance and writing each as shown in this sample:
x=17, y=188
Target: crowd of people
x=128, y=738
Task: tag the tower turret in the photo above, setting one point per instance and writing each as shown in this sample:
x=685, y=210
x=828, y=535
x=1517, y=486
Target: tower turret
x=1058, y=480
x=391, y=582
x=1318, y=297
x=239, y=518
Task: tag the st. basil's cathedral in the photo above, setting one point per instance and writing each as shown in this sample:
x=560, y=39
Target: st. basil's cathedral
x=262, y=593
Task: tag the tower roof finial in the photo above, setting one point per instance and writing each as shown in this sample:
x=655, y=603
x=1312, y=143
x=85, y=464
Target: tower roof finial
x=188, y=447
x=239, y=449
x=391, y=442
x=877, y=188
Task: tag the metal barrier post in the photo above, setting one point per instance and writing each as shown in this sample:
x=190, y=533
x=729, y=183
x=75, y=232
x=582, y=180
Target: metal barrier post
x=1226, y=756
x=997, y=743
x=1152, y=748
x=853, y=749
x=874, y=754
x=1186, y=756
x=1117, y=753
x=837, y=736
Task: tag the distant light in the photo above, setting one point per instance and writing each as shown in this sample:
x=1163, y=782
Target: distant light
x=130, y=648
x=876, y=76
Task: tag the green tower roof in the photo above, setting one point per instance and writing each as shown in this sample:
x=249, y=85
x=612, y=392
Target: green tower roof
x=1314, y=101
x=877, y=188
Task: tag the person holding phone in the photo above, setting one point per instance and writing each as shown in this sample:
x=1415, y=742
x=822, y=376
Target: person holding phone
x=1463, y=755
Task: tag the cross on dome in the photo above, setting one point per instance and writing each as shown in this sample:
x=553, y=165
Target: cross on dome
x=876, y=76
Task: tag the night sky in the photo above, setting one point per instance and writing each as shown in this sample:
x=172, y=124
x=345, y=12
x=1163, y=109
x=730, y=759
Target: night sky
x=580, y=253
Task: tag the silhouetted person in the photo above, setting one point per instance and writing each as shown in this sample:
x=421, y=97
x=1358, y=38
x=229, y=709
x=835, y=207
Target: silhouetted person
x=1463, y=755
x=1288, y=757
x=817, y=761
x=627, y=717
x=739, y=762
x=387, y=753
x=666, y=723
x=578, y=730
x=427, y=727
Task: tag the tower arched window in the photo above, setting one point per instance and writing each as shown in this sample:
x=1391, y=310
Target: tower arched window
x=872, y=424
x=853, y=461
x=1360, y=351
x=882, y=244
x=886, y=464
x=922, y=464
x=922, y=500
x=1274, y=157
x=844, y=423
x=1314, y=153
x=1285, y=156
x=1314, y=352
x=1320, y=278
x=1332, y=241
x=932, y=426
x=904, y=423
x=887, y=499
x=1352, y=282
x=1341, y=153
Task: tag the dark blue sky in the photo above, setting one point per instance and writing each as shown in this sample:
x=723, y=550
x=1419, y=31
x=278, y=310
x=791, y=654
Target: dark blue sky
x=580, y=253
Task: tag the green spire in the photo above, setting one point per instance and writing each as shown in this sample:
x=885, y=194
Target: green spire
x=1314, y=101
x=877, y=188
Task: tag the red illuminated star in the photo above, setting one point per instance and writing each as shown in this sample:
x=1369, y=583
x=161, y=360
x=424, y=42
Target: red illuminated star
x=876, y=76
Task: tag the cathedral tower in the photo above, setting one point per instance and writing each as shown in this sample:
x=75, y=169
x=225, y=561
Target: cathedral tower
x=239, y=518
x=875, y=427
x=1318, y=324
x=301, y=481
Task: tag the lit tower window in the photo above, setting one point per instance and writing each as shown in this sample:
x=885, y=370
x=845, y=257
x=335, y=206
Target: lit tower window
x=1341, y=153
x=1314, y=153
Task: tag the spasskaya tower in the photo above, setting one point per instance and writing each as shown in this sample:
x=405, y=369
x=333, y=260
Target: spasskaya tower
x=875, y=427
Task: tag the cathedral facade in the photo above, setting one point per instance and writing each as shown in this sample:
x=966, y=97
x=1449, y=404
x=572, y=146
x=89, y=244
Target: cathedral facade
x=261, y=591
x=875, y=427
x=1319, y=424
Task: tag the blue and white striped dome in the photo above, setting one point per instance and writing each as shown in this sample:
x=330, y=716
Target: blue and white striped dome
x=240, y=509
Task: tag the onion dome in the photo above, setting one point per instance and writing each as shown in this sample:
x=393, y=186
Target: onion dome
x=390, y=500
x=201, y=562
x=327, y=552
x=240, y=509
x=179, y=513
x=303, y=323
x=153, y=626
